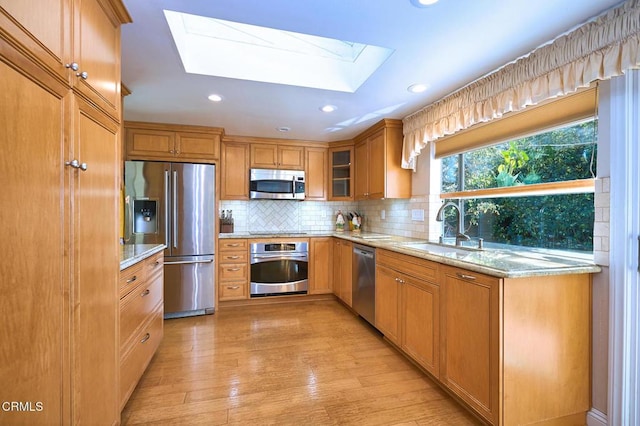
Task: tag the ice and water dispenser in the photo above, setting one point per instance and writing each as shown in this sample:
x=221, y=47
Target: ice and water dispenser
x=145, y=216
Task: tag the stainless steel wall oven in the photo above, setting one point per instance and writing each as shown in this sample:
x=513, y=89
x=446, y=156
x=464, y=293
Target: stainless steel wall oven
x=279, y=268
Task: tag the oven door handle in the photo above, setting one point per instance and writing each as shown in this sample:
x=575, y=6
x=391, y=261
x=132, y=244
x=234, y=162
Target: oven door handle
x=280, y=257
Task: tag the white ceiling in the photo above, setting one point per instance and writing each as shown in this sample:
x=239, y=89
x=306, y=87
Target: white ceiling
x=447, y=46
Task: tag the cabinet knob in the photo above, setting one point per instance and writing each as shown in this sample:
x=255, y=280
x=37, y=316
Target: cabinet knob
x=83, y=75
x=76, y=165
x=73, y=65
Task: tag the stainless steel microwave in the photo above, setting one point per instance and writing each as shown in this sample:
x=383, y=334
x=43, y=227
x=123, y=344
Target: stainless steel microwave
x=275, y=184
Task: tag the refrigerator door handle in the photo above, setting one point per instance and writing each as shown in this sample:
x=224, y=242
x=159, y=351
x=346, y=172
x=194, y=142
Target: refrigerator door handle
x=188, y=262
x=166, y=208
x=175, y=209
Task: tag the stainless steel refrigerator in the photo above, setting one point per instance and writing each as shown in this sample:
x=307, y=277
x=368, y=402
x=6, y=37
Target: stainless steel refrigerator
x=174, y=204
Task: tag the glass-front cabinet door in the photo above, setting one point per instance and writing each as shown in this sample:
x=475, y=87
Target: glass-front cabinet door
x=341, y=173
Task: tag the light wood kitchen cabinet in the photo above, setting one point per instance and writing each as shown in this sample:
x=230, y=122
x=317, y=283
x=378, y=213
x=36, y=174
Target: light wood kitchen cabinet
x=141, y=311
x=321, y=265
x=172, y=142
x=233, y=269
x=516, y=350
x=341, y=173
x=274, y=156
x=407, y=306
x=234, y=171
x=342, y=270
x=60, y=172
x=316, y=173
x=377, y=171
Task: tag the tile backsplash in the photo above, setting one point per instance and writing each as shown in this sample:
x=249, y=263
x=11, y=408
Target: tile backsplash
x=310, y=216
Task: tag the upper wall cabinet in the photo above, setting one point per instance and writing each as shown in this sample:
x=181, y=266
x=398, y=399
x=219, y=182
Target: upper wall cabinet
x=152, y=141
x=378, y=153
x=81, y=48
x=316, y=173
x=234, y=174
x=341, y=173
x=268, y=156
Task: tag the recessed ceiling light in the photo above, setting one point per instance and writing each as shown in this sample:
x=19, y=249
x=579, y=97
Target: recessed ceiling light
x=417, y=88
x=423, y=3
x=328, y=108
x=283, y=129
x=215, y=98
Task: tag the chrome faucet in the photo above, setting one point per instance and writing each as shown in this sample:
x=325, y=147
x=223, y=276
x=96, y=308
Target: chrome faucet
x=460, y=236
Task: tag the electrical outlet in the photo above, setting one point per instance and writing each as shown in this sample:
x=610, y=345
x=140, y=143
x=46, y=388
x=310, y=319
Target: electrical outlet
x=382, y=214
x=417, y=215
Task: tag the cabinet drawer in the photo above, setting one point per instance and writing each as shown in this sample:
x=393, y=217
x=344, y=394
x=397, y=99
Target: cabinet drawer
x=233, y=290
x=154, y=265
x=131, y=277
x=136, y=307
x=234, y=272
x=410, y=265
x=232, y=257
x=226, y=245
x=135, y=361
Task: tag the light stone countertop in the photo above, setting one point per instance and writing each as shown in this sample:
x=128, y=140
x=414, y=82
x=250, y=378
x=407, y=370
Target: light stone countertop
x=498, y=262
x=130, y=254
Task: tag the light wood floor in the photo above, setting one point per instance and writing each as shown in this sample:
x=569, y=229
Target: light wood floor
x=302, y=363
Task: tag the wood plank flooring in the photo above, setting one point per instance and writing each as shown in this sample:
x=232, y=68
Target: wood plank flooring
x=287, y=364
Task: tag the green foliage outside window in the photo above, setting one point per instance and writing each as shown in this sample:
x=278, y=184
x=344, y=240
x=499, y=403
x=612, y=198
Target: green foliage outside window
x=555, y=220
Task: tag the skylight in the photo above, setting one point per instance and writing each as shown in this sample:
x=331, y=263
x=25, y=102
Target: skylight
x=222, y=48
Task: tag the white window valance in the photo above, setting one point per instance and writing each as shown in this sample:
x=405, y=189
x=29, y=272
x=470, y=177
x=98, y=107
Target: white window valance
x=602, y=48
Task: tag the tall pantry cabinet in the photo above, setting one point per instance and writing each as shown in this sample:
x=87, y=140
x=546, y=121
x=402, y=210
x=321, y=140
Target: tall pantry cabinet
x=60, y=129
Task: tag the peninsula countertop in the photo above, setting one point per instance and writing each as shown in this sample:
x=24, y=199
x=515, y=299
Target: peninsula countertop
x=130, y=254
x=503, y=261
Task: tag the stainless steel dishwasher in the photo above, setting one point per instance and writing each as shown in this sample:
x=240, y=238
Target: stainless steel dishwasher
x=364, y=282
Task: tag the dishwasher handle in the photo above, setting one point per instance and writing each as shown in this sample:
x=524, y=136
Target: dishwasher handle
x=365, y=253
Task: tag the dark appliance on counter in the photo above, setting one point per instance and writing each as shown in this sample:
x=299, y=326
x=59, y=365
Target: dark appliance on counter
x=174, y=204
x=364, y=282
x=272, y=184
x=279, y=268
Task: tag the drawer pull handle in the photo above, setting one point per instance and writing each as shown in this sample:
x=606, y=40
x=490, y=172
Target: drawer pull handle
x=233, y=245
x=233, y=257
x=145, y=338
x=465, y=276
x=132, y=279
x=144, y=293
x=233, y=269
x=233, y=287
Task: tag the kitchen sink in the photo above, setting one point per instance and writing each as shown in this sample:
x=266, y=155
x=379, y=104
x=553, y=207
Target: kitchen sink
x=438, y=248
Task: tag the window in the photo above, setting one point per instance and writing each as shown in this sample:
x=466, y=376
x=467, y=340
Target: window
x=534, y=191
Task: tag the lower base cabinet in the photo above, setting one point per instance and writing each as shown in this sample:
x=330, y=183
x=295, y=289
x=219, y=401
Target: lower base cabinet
x=342, y=270
x=141, y=320
x=517, y=350
x=407, y=306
